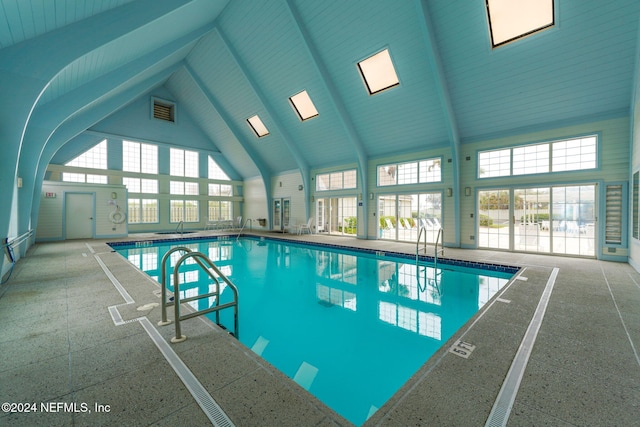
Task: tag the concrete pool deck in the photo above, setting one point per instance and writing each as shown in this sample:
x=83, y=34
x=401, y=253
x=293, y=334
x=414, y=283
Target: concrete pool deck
x=61, y=346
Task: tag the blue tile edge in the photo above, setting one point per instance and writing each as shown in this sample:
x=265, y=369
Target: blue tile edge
x=509, y=269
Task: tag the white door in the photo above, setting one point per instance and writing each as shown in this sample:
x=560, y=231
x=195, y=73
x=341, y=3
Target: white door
x=79, y=215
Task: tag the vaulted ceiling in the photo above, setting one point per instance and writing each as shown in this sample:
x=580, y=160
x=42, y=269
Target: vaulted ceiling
x=224, y=61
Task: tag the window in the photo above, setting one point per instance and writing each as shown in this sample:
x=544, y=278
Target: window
x=94, y=158
x=558, y=156
x=143, y=211
x=183, y=210
x=531, y=159
x=257, y=126
x=511, y=20
x=378, y=72
x=337, y=180
x=216, y=172
x=422, y=171
x=139, y=157
x=81, y=177
x=303, y=105
x=220, y=210
x=183, y=163
x=179, y=187
x=494, y=163
x=574, y=154
x=141, y=185
x=220, y=190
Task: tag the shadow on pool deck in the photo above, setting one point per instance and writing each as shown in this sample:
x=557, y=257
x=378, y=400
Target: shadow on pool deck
x=60, y=344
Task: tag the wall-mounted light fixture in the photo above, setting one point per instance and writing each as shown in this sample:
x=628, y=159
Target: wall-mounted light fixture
x=300, y=187
x=370, y=196
x=449, y=192
x=467, y=191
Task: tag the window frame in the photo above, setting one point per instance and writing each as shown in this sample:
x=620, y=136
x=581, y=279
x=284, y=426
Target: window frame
x=419, y=173
x=330, y=186
x=550, y=144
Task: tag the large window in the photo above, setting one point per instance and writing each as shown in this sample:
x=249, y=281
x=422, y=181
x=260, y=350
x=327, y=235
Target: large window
x=183, y=163
x=401, y=216
x=94, y=158
x=141, y=185
x=558, y=156
x=139, y=157
x=422, y=171
x=143, y=211
x=184, y=210
x=220, y=210
x=216, y=172
x=336, y=180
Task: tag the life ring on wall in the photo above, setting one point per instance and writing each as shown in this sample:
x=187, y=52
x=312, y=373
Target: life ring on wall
x=117, y=217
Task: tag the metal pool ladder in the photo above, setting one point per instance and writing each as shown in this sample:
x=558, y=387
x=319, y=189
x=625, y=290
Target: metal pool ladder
x=435, y=282
x=437, y=251
x=214, y=273
x=248, y=220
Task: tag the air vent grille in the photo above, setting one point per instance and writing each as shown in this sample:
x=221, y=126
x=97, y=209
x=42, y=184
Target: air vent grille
x=163, y=111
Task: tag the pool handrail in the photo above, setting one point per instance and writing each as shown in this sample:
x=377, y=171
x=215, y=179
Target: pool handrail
x=248, y=220
x=163, y=282
x=201, y=259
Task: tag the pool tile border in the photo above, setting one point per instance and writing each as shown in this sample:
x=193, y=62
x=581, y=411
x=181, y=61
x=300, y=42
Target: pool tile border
x=425, y=258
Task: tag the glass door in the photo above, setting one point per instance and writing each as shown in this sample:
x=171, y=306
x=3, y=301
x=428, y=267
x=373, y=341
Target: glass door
x=557, y=220
x=532, y=228
x=573, y=225
x=286, y=212
x=277, y=214
x=494, y=214
x=322, y=225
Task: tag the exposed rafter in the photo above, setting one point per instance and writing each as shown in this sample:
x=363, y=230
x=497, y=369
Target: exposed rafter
x=449, y=114
x=293, y=148
x=265, y=172
x=338, y=103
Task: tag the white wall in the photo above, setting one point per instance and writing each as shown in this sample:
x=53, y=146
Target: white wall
x=51, y=219
x=255, y=203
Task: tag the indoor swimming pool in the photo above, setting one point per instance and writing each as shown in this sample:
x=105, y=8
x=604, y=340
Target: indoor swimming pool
x=349, y=326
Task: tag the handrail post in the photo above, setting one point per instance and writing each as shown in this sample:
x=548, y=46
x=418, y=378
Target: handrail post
x=201, y=259
x=163, y=283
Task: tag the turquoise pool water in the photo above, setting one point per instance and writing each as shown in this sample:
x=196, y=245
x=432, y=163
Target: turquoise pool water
x=350, y=327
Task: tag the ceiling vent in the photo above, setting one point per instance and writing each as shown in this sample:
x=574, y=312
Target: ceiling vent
x=164, y=110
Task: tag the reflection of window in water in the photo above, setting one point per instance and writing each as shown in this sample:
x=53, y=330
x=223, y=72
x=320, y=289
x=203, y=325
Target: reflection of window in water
x=422, y=323
x=330, y=296
x=336, y=266
x=488, y=287
x=416, y=283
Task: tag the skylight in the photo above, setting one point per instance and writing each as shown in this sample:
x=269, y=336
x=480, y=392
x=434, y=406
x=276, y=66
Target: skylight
x=378, y=72
x=258, y=127
x=513, y=19
x=303, y=105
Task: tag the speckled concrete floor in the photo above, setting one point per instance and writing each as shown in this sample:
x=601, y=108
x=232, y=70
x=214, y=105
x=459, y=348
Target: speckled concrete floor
x=60, y=348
